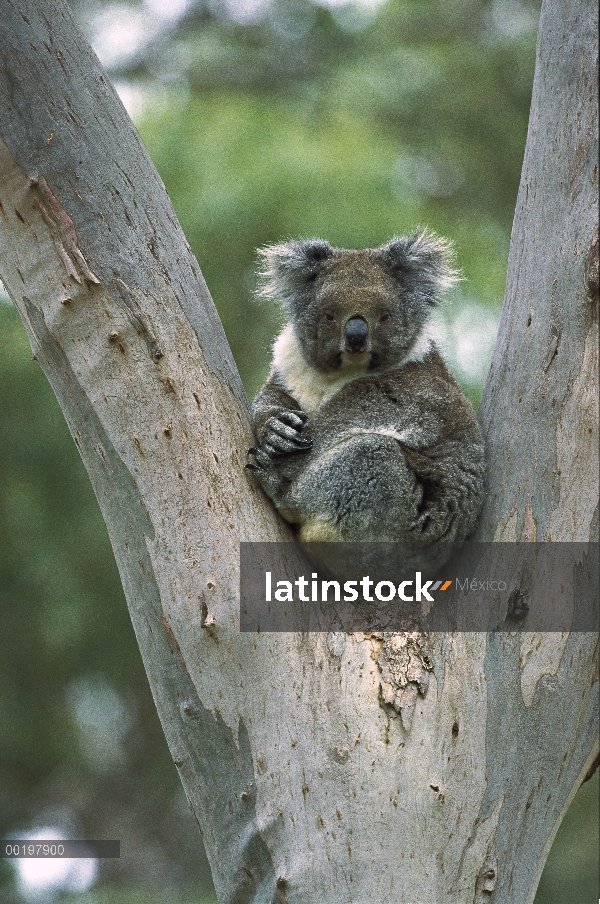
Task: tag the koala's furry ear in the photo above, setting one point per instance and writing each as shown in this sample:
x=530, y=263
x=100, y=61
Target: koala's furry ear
x=422, y=263
x=289, y=267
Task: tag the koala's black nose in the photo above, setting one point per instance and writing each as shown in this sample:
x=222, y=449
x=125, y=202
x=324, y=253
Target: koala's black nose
x=356, y=334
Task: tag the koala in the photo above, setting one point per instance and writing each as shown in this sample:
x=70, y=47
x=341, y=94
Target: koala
x=362, y=432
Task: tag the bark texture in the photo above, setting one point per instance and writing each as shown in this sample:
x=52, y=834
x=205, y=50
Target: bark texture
x=305, y=788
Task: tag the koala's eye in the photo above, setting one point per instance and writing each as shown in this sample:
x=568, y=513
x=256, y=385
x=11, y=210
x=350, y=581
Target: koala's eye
x=384, y=319
x=330, y=318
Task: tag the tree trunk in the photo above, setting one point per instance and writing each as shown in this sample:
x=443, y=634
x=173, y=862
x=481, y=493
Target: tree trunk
x=304, y=787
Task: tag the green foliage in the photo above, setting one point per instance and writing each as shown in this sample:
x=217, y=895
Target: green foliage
x=243, y=170
x=411, y=118
x=571, y=875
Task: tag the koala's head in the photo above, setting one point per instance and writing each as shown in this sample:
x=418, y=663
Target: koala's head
x=358, y=309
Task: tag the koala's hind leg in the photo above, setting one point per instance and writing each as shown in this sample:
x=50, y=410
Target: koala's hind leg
x=361, y=489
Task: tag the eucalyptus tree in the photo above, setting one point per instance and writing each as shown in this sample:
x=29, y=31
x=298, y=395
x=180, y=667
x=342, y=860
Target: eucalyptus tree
x=305, y=784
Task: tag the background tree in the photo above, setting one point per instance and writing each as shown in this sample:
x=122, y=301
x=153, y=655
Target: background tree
x=301, y=186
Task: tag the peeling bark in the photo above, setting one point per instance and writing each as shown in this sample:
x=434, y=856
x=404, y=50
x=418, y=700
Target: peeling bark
x=305, y=788
x=405, y=661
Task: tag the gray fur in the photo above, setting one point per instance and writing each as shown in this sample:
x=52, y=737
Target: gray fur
x=374, y=446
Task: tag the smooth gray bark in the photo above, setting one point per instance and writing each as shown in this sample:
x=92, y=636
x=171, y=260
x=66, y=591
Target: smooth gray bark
x=305, y=789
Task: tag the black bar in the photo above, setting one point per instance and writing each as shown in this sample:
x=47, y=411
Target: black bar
x=51, y=849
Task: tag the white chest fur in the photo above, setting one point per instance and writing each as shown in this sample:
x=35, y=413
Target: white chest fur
x=310, y=387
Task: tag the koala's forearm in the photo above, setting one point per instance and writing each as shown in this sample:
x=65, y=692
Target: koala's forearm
x=452, y=498
x=269, y=402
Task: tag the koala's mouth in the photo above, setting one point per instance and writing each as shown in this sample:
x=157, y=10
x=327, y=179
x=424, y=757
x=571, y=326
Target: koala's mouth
x=355, y=359
x=345, y=360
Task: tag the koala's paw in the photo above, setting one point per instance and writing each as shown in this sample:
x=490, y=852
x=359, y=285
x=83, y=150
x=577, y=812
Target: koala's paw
x=283, y=434
x=264, y=469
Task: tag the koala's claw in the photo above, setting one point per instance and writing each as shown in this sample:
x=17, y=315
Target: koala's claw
x=265, y=471
x=292, y=417
x=283, y=434
x=263, y=460
x=275, y=444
